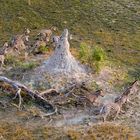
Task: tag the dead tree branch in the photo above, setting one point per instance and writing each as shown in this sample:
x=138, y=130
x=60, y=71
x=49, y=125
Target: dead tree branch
x=37, y=97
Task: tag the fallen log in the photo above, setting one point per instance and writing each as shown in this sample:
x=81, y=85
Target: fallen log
x=33, y=94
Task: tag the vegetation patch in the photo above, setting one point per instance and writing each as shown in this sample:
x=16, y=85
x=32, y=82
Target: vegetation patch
x=42, y=49
x=93, y=56
x=109, y=131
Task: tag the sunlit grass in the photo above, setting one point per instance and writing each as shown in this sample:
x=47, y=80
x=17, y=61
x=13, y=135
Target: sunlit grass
x=109, y=131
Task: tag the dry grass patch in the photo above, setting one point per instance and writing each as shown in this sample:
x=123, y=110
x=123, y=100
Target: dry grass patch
x=97, y=132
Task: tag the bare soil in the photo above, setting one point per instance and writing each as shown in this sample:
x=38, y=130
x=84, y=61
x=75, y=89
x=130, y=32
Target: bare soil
x=72, y=112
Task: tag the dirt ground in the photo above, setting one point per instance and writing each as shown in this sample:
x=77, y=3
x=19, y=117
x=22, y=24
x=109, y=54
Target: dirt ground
x=73, y=115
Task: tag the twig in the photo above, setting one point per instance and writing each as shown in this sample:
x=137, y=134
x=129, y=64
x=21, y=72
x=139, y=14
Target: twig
x=67, y=94
x=48, y=91
x=18, y=93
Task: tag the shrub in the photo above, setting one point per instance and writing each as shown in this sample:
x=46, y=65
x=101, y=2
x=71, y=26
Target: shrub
x=97, y=54
x=93, y=56
x=97, y=58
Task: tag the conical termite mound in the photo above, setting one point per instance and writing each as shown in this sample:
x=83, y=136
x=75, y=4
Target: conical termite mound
x=61, y=66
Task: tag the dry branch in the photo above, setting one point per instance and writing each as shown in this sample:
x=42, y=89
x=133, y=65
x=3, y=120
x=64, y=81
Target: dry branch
x=48, y=91
x=38, y=98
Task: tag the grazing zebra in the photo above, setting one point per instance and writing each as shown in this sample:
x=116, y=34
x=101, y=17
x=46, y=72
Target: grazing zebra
x=2, y=56
x=55, y=39
x=113, y=106
x=27, y=31
x=93, y=97
x=5, y=45
x=46, y=34
x=130, y=90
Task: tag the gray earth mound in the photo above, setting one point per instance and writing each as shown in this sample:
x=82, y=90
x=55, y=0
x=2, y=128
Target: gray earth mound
x=61, y=67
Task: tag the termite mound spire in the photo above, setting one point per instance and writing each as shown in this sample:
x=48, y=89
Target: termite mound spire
x=61, y=66
x=62, y=61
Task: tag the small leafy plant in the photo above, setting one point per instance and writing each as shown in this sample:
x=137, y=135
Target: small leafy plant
x=42, y=49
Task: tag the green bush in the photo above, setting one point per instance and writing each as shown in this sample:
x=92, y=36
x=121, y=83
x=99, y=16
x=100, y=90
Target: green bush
x=93, y=56
x=97, y=54
x=97, y=58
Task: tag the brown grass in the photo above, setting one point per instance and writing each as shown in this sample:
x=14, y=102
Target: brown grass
x=98, y=132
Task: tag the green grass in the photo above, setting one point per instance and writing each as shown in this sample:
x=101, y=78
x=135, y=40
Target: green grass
x=19, y=67
x=27, y=66
x=112, y=24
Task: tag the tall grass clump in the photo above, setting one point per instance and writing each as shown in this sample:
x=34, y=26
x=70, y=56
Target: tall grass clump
x=84, y=52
